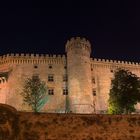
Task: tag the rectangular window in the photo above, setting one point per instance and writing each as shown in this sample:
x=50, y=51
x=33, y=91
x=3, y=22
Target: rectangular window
x=94, y=92
x=93, y=80
x=50, y=78
x=50, y=66
x=111, y=71
x=35, y=76
x=51, y=91
x=65, y=78
x=65, y=91
x=35, y=66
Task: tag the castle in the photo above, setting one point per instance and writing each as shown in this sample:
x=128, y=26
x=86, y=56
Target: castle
x=76, y=78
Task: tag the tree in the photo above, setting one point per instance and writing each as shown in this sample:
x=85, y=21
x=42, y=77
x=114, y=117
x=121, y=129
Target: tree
x=124, y=92
x=34, y=93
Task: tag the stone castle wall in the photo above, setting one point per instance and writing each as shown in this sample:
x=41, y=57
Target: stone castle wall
x=21, y=67
x=103, y=72
x=88, y=82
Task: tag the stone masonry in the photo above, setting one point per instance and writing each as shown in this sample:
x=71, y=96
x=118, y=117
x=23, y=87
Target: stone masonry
x=76, y=78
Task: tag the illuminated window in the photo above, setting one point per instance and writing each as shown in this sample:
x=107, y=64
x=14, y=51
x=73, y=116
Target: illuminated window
x=65, y=91
x=51, y=91
x=94, y=92
x=50, y=78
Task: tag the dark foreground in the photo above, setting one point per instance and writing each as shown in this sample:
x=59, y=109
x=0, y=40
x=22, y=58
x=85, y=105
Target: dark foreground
x=29, y=126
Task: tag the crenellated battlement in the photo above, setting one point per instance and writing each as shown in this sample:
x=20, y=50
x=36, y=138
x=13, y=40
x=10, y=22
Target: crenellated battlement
x=79, y=39
x=31, y=55
x=79, y=43
x=48, y=58
x=108, y=61
x=32, y=58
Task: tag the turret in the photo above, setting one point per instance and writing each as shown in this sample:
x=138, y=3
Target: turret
x=79, y=75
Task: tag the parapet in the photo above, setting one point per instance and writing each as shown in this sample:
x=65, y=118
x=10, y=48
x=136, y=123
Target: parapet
x=77, y=41
x=31, y=55
x=108, y=61
x=32, y=58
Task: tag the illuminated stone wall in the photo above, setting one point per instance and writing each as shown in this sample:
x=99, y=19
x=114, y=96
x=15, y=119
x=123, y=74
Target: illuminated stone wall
x=103, y=72
x=79, y=75
x=88, y=82
x=22, y=67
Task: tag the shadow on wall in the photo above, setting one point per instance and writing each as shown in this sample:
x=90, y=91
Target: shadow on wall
x=8, y=123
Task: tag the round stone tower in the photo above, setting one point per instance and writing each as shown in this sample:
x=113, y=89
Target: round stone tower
x=79, y=75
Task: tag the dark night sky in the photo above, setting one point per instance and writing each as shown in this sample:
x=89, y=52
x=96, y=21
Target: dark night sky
x=113, y=27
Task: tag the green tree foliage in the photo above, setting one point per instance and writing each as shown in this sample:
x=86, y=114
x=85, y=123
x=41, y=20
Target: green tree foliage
x=34, y=93
x=124, y=92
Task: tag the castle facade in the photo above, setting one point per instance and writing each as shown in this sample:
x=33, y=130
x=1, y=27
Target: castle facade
x=75, y=80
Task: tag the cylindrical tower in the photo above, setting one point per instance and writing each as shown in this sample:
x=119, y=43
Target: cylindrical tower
x=79, y=75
